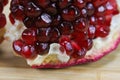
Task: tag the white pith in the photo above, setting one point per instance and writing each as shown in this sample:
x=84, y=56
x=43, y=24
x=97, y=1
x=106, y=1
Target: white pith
x=14, y=33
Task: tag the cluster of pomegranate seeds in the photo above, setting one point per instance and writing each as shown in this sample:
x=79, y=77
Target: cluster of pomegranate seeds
x=71, y=23
x=2, y=16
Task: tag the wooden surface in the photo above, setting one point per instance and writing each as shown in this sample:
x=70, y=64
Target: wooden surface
x=15, y=68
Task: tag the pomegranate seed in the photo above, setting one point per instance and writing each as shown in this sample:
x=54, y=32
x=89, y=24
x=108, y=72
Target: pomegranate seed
x=66, y=28
x=28, y=51
x=102, y=31
x=43, y=34
x=2, y=16
x=18, y=12
x=1, y=7
x=90, y=9
x=32, y=10
x=5, y=2
x=80, y=3
x=52, y=9
x=2, y=20
x=11, y=18
x=64, y=3
x=28, y=22
x=41, y=48
x=81, y=25
x=17, y=46
x=79, y=53
x=66, y=43
x=43, y=3
x=21, y=48
x=87, y=44
x=54, y=35
x=44, y=20
x=56, y=20
x=91, y=31
x=82, y=36
x=70, y=13
x=29, y=35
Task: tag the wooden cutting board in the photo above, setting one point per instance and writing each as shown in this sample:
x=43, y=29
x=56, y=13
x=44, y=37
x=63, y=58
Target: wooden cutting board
x=15, y=68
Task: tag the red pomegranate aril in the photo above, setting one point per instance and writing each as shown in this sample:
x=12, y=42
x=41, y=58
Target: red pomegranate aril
x=1, y=7
x=91, y=31
x=2, y=15
x=2, y=20
x=66, y=28
x=87, y=44
x=79, y=36
x=17, y=46
x=70, y=13
x=15, y=2
x=108, y=19
x=29, y=35
x=93, y=20
x=98, y=3
x=80, y=3
x=84, y=12
x=100, y=20
x=64, y=38
x=24, y=2
x=90, y=9
x=46, y=18
x=29, y=22
x=114, y=4
x=43, y=21
x=102, y=31
x=53, y=0
x=41, y=48
x=32, y=10
x=81, y=25
x=68, y=47
x=56, y=20
x=12, y=20
x=64, y=3
x=100, y=11
x=43, y=3
x=66, y=43
x=110, y=9
x=54, y=35
x=18, y=12
x=79, y=53
x=28, y=51
x=51, y=9
x=5, y=2
x=43, y=34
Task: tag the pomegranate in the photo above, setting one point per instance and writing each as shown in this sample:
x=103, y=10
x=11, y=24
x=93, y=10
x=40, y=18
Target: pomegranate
x=61, y=33
x=2, y=19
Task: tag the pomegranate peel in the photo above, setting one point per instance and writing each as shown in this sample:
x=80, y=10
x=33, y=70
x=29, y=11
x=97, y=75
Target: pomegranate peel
x=74, y=35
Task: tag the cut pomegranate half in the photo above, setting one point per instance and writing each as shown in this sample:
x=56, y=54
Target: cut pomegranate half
x=2, y=19
x=61, y=33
